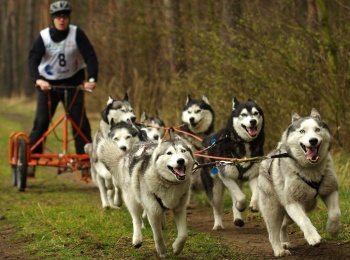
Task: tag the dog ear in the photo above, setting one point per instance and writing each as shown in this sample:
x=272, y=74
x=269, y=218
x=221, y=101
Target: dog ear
x=295, y=116
x=126, y=97
x=112, y=123
x=315, y=114
x=143, y=117
x=104, y=116
x=206, y=100
x=188, y=99
x=110, y=100
x=235, y=103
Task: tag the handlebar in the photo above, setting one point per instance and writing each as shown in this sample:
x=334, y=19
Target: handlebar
x=54, y=87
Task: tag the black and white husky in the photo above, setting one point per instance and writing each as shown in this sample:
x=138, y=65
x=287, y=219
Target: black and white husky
x=154, y=177
x=153, y=126
x=198, y=119
x=242, y=137
x=289, y=186
x=118, y=110
x=123, y=135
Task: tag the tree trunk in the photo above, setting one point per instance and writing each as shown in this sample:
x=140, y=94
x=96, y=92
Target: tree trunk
x=175, y=38
x=231, y=13
x=29, y=35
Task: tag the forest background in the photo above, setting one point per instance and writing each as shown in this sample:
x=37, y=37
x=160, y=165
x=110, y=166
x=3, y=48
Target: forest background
x=285, y=54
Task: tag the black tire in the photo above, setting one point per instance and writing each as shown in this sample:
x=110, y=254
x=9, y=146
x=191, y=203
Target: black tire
x=22, y=164
x=13, y=169
x=14, y=175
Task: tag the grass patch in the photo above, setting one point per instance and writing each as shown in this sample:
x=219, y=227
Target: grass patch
x=60, y=216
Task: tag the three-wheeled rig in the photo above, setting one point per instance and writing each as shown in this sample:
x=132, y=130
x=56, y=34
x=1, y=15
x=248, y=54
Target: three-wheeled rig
x=21, y=154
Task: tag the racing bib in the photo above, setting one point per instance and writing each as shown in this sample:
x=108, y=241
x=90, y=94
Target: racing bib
x=62, y=59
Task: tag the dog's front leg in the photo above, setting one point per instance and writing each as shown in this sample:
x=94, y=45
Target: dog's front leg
x=180, y=220
x=238, y=200
x=333, y=222
x=253, y=184
x=299, y=216
x=155, y=217
x=103, y=191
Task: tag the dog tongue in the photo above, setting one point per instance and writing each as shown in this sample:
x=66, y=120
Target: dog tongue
x=180, y=171
x=251, y=131
x=311, y=152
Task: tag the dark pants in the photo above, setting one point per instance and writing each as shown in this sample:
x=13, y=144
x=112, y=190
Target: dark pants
x=76, y=112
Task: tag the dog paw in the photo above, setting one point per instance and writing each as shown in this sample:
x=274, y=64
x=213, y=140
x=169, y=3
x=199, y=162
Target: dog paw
x=334, y=228
x=282, y=253
x=138, y=245
x=218, y=227
x=238, y=222
x=106, y=208
x=286, y=245
x=314, y=241
x=254, y=209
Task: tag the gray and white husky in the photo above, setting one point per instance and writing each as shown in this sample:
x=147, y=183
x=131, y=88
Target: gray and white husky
x=198, y=119
x=242, y=137
x=123, y=135
x=153, y=126
x=288, y=187
x=118, y=110
x=154, y=177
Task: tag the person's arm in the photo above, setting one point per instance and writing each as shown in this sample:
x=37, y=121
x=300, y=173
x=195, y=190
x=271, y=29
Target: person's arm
x=34, y=58
x=87, y=51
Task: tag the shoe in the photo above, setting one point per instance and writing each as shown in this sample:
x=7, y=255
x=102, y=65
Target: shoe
x=31, y=171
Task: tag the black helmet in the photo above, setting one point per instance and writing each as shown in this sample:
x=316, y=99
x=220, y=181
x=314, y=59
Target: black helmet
x=60, y=7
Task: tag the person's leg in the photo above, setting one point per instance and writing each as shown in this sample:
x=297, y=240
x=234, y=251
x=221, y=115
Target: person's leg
x=42, y=117
x=78, y=114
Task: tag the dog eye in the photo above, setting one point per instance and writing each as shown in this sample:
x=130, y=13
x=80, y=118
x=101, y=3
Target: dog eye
x=116, y=139
x=244, y=115
x=128, y=137
x=302, y=131
x=199, y=110
x=169, y=153
x=183, y=150
x=256, y=113
x=123, y=110
x=317, y=130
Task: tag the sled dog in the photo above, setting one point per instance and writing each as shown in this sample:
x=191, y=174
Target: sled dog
x=118, y=110
x=289, y=186
x=153, y=126
x=123, y=135
x=242, y=137
x=198, y=119
x=153, y=177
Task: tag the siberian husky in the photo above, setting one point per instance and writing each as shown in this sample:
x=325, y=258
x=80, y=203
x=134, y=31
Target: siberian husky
x=288, y=187
x=118, y=110
x=123, y=135
x=242, y=137
x=198, y=119
x=153, y=126
x=154, y=177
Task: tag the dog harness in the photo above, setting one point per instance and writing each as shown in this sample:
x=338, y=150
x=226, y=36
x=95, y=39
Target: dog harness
x=313, y=184
x=160, y=202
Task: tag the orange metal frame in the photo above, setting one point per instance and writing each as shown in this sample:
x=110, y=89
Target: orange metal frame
x=61, y=160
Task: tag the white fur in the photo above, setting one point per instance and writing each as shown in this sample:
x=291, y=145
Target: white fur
x=284, y=193
x=142, y=181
